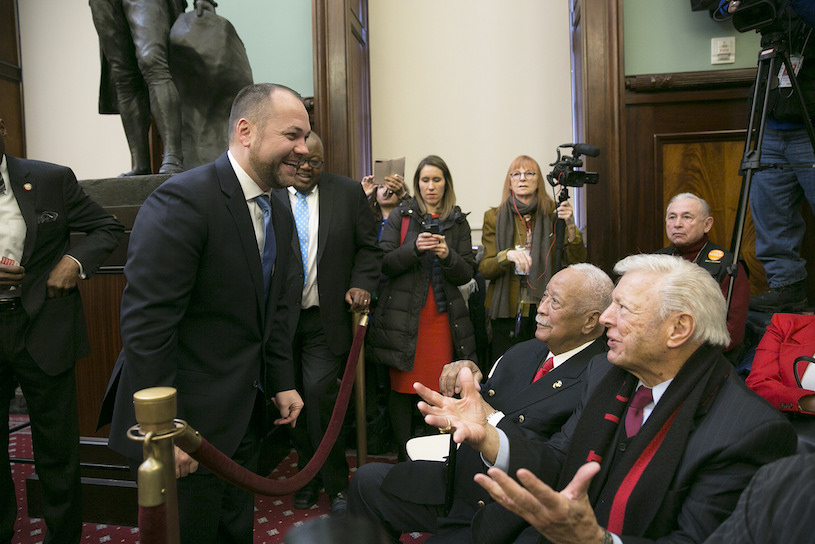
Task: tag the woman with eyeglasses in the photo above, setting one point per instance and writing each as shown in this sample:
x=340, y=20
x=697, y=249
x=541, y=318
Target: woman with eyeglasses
x=518, y=238
x=421, y=321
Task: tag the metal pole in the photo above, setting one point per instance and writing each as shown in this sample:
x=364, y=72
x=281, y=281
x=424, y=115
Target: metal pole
x=359, y=400
x=155, y=412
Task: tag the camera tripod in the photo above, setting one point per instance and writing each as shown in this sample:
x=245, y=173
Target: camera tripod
x=773, y=55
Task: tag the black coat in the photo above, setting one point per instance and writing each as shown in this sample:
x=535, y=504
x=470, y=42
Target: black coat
x=395, y=325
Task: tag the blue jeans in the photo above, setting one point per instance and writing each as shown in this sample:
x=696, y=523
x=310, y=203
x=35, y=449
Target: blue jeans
x=775, y=200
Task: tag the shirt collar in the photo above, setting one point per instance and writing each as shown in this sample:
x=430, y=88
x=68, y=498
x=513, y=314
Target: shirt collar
x=251, y=190
x=561, y=358
x=658, y=390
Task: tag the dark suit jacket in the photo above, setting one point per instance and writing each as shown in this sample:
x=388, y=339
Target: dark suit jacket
x=736, y=434
x=348, y=254
x=530, y=410
x=193, y=311
x=53, y=205
x=773, y=374
x=777, y=506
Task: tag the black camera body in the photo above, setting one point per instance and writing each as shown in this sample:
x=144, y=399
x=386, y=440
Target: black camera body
x=563, y=169
x=757, y=15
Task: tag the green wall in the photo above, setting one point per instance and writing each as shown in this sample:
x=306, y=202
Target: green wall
x=277, y=37
x=665, y=36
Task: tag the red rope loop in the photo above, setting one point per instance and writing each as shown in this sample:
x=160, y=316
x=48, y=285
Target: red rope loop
x=226, y=468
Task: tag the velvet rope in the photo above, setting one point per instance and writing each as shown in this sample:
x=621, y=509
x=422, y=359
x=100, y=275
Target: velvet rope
x=221, y=465
x=153, y=524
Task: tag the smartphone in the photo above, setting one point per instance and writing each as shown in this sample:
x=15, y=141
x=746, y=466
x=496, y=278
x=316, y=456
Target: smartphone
x=432, y=229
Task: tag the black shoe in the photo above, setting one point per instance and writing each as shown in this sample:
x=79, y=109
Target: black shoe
x=306, y=497
x=339, y=505
x=789, y=298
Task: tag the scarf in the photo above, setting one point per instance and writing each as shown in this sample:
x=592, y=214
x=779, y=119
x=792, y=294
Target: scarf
x=505, y=239
x=627, y=494
x=691, y=252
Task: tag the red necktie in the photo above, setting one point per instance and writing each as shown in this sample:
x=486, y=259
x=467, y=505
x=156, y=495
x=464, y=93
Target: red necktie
x=547, y=366
x=633, y=417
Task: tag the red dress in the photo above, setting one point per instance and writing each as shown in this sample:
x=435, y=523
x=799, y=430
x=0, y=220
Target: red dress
x=434, y=349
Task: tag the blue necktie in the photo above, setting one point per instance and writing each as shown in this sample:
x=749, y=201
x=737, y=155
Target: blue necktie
x=269, y=244
x=301, y=222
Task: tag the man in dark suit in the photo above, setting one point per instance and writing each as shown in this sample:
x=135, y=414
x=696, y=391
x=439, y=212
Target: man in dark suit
x=198, y=313
x=42, y=325
x=339, y=269
x=520, y=399
x=667, y=435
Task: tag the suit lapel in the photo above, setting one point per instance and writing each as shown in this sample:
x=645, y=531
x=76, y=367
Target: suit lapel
x=326, y=196
x=559, y=379
x=238, y=209
x=21, y=176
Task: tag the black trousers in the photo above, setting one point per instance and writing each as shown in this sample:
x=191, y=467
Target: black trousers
x=54, y=420
x=317, y=371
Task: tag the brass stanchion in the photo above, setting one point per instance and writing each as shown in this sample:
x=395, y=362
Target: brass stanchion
x=359, y=396
x=155, y=412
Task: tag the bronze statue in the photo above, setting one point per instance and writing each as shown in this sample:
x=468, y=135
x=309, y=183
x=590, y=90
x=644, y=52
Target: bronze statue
x=134, y=38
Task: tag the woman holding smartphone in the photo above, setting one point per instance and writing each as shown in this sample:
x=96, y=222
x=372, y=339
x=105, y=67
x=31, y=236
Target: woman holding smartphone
x=421, y=321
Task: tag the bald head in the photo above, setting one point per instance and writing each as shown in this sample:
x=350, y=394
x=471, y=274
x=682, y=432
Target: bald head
x=267, y=136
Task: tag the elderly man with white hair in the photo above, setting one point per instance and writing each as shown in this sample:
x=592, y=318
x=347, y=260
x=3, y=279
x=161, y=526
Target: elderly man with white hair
x=665, y=440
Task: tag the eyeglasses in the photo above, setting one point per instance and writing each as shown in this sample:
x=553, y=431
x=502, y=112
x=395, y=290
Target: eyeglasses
x=314, y=163
x=515, y=176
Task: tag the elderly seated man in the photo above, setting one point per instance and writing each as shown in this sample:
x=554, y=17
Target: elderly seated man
x=687, y=223
x=665, y=440
x=531, y=391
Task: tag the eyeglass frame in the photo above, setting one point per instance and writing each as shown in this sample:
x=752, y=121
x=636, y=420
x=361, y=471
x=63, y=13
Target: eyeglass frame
x=516, y=176
x=311, y=162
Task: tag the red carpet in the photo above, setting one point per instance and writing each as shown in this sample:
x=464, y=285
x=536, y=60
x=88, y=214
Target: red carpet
x=274, y=515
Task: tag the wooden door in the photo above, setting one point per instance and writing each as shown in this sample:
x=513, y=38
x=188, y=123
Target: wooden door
x=342, y=85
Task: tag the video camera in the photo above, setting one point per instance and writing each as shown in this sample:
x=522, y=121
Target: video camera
x=563, y=171
x=758, y=15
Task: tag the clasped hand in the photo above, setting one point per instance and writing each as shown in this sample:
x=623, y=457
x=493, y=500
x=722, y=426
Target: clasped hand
x=434, y=243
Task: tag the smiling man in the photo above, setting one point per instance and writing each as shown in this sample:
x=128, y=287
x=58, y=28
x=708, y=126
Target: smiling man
x=336, y=238
x=667, y=436
x=687, y=223
x=531, y=391
x=206, y=308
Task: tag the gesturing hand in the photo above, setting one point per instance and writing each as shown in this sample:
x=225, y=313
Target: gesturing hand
x=563, y=518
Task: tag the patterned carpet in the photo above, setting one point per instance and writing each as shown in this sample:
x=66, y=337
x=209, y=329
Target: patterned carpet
x=274, y=515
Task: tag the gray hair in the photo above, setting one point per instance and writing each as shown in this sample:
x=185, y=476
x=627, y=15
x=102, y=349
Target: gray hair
x=685, y=287
x=597, y=289
x=705, y=207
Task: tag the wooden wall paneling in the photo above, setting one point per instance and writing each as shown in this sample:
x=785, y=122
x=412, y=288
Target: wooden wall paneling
x=11, y=82
x=596, y=56
x=342, y=84
x=646, y=118
x=101, y=298
x=707, y=164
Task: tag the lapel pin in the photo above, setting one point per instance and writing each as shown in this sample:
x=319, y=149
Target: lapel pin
x=27, y=187
x=557, y=384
